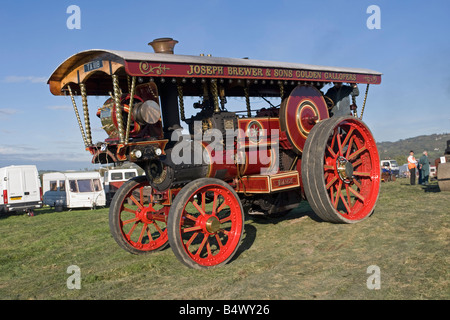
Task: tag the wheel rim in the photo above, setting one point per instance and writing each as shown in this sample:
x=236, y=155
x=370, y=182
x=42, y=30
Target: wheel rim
x=142, y=223
x=210, y=225
x=352, y=170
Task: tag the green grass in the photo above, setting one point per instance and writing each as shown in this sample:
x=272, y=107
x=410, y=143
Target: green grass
x=295, y=257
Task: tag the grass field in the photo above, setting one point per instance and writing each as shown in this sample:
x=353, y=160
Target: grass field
x=295, y=257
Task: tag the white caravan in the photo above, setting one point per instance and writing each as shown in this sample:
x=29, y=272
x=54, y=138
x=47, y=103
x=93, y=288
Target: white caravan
x=73, y=190
x=20, y=189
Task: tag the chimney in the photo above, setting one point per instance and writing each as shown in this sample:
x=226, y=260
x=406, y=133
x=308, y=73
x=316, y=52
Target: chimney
x=163, y=45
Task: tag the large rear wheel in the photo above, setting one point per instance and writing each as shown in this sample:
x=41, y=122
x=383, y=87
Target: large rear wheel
x=206, y=223
x=138, y=225
x=341, y=170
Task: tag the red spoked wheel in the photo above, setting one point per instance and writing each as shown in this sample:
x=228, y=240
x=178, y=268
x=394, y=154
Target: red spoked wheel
x=206, y=223
x=341, y=170
x=138, y=225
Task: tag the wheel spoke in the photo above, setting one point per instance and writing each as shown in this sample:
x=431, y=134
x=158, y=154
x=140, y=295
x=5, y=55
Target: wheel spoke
x=200, y=248
x=223, y=205
x=130, y=220
x=214, y=204
x=345, y=203
x=190, y=229
x=349, y=149
x=190, y=217
x=150, y=235
x=132, y=228
x=225, y=219
x=349, y=134
x=219, y=242
x=357, y=184
x=203, y=201
x=338, y=138
x=208, y=247
x=202, y=212
x=191, y=239
x=357, y=163
x=333, y=180
x=157, y=227
x=141, y=196
x=361, y=174
x=330, y=150
x=338, y=193
x=140, y=206
x=356, y=153
x=141, y=235
x=357, y=194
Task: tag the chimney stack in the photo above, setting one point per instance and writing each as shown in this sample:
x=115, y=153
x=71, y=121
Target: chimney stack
x=163, y=45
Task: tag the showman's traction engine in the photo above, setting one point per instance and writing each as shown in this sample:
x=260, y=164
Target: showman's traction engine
x=202, y=171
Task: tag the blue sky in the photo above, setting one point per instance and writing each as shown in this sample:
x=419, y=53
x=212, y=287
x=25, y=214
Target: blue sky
x=411, y=49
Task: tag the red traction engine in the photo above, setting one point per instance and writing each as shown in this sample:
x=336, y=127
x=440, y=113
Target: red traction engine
x=202, y=171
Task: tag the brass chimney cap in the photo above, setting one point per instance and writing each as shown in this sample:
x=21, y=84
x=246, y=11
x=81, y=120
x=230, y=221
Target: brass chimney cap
x=163, y=45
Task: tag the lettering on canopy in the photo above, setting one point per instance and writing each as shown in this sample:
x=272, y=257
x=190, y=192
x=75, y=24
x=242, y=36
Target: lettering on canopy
x=144, y=68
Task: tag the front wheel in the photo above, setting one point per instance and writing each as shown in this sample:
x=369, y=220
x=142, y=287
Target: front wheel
x=341, y=170
x=138, y=225
x=206, y=223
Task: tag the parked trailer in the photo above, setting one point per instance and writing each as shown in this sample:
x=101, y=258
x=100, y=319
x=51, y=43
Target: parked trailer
x=73, y=190
x=20, y=189
x=265, y=159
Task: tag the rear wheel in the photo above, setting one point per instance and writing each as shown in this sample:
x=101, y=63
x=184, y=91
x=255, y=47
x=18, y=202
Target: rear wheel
x=206, y=223
x=341, y=170
x=138, y=225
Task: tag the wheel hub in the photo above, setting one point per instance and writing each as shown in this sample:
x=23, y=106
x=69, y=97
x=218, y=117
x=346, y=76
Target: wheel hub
x=344, y=169
x=145, y=215
x=212, y=225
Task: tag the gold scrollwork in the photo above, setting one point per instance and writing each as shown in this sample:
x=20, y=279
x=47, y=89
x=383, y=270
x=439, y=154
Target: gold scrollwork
x=145, y=68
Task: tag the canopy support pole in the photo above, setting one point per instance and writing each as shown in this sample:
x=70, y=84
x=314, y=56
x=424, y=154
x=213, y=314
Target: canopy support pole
x=78, y=116
x=132, y=90
x=87, y=123
x=118, y=109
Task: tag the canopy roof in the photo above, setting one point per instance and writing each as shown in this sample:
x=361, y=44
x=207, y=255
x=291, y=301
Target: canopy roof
x=93, y=66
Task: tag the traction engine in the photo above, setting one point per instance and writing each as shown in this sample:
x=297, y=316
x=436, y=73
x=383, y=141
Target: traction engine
x=204, y=171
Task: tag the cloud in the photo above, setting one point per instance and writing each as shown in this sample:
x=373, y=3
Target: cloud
x=20, y=153
x=19, y=79
x=7, y=112
x=59, y=107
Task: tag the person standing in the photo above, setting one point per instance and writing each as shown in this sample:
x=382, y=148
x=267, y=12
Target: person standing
x=412, y=168
x=424, y=167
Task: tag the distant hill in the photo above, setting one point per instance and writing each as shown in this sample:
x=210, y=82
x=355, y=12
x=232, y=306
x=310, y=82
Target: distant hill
x=435, y=144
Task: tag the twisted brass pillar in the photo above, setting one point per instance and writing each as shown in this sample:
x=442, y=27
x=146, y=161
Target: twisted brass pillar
x=118, y=108
x=78, y=116
x=87, y=124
